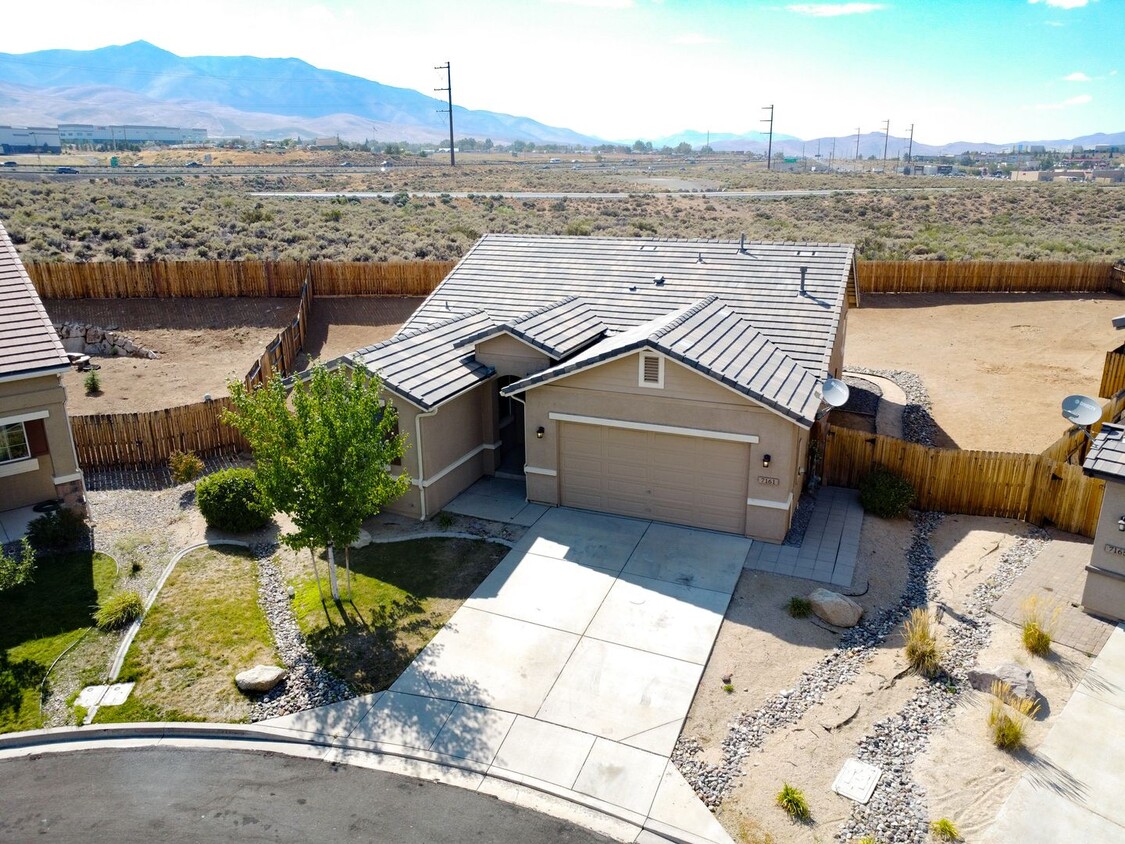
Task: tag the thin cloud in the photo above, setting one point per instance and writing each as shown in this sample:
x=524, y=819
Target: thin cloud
x=695, y=39
x=1077, y=76
x=1081, y=99
x=834, y=10
x=1062, y=4
x=596, y=4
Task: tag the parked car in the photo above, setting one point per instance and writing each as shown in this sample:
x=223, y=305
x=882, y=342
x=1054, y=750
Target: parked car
x=193, y=164
x=11, y=164
x=66, y=169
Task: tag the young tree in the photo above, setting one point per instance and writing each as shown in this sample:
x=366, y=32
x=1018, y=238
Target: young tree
x=326, y=460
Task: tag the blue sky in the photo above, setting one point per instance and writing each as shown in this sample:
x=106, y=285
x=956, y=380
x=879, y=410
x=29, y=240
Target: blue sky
x=980, y=70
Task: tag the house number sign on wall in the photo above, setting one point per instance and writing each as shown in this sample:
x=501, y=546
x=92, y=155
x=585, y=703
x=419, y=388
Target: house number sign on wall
x=1113, y=549
x=767, y=481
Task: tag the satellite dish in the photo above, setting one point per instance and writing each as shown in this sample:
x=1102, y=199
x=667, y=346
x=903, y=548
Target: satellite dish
x=1081, y=410
x=836, y=393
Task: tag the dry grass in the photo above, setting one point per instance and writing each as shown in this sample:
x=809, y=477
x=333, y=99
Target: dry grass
x=923, y=650
x=1038, y=626
x=944, y=830
x=1008, y=716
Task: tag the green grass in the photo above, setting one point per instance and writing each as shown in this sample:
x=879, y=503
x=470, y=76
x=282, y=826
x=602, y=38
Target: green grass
x=42, y=619
x=403, y=593
x=204, y=628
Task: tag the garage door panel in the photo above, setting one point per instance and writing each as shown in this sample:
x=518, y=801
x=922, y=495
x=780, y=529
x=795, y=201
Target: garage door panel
x=684, y=480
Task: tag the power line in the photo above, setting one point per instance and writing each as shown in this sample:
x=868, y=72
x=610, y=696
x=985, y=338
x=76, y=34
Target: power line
x=449, y=90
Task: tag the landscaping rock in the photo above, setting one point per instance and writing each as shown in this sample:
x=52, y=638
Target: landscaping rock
x=260, y=678
x=1018, y=678
x=835, y=608
x=363, y=541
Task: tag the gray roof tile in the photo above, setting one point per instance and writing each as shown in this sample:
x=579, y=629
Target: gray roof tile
x=710, y=338
x=1106, y=457
x=28, y=342
x=558, y=330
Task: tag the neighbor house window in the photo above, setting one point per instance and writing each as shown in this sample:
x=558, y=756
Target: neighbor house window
x=652, y=371
x=13, y=442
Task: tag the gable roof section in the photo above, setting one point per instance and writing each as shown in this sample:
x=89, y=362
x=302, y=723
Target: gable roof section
x=29, y=344
x=626, y=282
x=709, y=338
x=557, y=330
x=425, y=366
x=1106, y=458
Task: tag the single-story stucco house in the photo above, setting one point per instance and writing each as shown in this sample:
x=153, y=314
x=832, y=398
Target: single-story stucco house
x=662, y=379
x=37, y=457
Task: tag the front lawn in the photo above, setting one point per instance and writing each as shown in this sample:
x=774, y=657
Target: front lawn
x=40, y=620
x=403, y=592
x=204, y=628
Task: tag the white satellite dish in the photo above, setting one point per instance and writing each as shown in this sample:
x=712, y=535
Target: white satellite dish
x=1081, y=410
x=836, y=393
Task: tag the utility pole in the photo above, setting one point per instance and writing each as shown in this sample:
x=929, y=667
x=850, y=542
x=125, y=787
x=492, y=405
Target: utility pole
x=832, y=154
x=769, y=148
x=449, y=90
x=910, y=150
x=886, y=139
x=857, y=143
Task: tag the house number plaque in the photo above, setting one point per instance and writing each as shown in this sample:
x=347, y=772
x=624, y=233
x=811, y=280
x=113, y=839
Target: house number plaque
x=767, y=481
x=1113, y=549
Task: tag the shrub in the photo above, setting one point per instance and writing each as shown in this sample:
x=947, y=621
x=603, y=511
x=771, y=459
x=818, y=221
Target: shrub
x=1038, y=630
x=944, y=830
x=57, y=531
x=792, y=800
x=16, y=570
x=1008, y=716
x=798, y=607
x=923, y=651
x=93, y=383
x=230, y=500
x=185, y=466
x=119, y=611
x=885, y=494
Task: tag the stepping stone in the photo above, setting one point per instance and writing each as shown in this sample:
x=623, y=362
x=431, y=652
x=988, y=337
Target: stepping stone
x=857, y=780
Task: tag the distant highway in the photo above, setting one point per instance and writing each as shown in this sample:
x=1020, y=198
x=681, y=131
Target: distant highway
x=706, y=194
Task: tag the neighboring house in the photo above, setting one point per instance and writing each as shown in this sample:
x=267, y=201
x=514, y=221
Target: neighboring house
x=37, y=457
x=661, y=379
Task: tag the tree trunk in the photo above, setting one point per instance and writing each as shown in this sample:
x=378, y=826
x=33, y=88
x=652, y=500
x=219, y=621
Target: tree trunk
x=332, y=582
x=316, y=571
x=348, y=568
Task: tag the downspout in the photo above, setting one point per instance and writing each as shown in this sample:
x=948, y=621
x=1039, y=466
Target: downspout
x=421, y=465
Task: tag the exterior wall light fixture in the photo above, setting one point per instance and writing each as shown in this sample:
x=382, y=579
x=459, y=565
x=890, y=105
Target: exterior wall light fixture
x=766, y=464
x=1121, y=523
x=540, y=431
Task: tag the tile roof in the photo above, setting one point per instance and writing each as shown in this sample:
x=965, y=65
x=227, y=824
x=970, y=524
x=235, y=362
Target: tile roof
x=557, y=330
x=28, y=342
x=626, y=282
x=1106, y=457
x=424, y=365
x=713, y=340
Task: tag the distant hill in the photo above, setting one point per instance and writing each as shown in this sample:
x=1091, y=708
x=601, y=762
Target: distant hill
x=241, y=94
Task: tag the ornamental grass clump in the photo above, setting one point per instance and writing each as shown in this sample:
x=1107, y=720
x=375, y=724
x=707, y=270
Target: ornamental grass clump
x=792, y=800
x=944, y=830
x=119, y=611
x=799, y=607
x=1008, y=717
x=923, y=650
x=1038, y=629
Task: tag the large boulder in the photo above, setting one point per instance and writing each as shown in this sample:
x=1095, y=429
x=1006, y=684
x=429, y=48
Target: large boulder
x=835, y=608
x=363, y=540
x=1018, y=678
x=260, y=678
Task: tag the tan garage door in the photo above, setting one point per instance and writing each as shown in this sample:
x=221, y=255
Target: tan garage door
x=683, y=480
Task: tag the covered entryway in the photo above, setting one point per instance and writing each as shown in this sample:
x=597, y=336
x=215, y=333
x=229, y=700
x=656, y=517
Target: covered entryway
x=685, y=480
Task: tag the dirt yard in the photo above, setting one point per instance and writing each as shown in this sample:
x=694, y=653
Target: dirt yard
x=997, y=367
x=964, y=777
x=204, y=343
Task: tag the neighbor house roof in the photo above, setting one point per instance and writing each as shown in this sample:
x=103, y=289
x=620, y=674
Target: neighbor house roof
x=711, y=339
x=1106, y=457
x=29, y=344
x=793, y=293
x=557, y=330
x=424, y=365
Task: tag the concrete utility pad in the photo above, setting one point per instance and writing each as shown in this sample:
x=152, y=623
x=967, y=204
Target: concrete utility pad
x=690, y=557
x=857, y=780
x=113, y=695
x=588, y=538
x=498, y=500
x=489, y=660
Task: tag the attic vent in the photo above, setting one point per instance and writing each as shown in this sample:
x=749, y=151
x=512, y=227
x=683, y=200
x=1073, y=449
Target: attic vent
x=658, y=281
x=652, y=371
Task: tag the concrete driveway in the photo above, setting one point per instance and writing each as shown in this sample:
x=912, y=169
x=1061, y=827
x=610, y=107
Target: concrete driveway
x=571, y=669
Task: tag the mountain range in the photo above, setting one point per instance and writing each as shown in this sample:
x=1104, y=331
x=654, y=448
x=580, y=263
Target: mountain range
x=246, y=96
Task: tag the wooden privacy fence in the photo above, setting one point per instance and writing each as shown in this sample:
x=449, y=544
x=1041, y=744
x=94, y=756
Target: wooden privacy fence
x=281, y=354
x=985, y=277
x=209, y=279
x=1030, y=487
x=1113, y=373
x=1073, y=445
x=148, y=439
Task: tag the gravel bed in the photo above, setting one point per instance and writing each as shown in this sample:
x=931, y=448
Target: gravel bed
x=308, y=685
x=863, y=397
x=918, y=424
x=801, y=518
x=896, y=813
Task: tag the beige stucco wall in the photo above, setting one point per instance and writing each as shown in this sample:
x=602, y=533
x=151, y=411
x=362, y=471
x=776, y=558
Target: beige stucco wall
x=1104, y=593
x=57, y=468
x=687, y=400
x=510, y=356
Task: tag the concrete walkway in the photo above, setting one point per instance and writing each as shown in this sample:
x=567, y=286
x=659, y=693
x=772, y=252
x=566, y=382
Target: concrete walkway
x=1073, y=786
x=13, y=523
x=569, y=672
